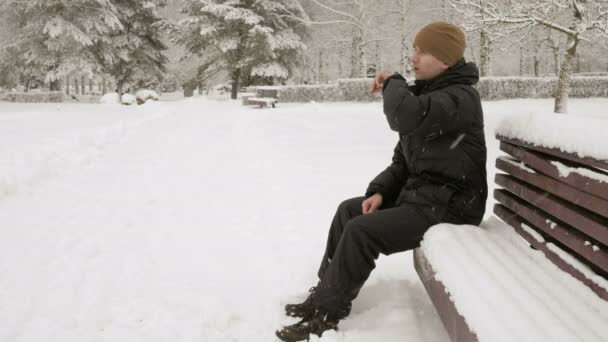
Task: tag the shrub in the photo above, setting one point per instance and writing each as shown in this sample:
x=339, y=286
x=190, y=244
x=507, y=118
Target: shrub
x=34, y=97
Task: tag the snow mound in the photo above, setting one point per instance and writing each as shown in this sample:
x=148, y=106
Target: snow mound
x=144, y=95
x=509, y=292
x=128, y=99
x=109, y=98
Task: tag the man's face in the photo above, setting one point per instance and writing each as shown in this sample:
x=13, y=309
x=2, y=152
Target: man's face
x=426, y=66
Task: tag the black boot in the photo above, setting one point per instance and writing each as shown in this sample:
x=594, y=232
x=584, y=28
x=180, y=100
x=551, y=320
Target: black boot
x=317, y=324
x=307, y=308
x=303, y=310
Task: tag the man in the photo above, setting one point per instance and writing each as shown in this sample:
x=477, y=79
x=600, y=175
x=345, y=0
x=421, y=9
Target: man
x=437, y=174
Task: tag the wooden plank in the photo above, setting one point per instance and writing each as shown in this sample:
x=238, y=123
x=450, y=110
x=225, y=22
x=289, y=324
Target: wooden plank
x=583, y=220
x=542, y=163
x=601, y=164
x=515, y=221
x=555, y=229
x=573, y=195
x=453, y=321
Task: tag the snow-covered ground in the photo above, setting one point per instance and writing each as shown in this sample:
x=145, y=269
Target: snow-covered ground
x=195, y=220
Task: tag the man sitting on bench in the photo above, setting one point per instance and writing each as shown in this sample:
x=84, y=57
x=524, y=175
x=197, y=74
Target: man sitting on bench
x=437, y=174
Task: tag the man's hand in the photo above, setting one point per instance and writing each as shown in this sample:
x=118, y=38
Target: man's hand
x=372, y=204
x=378, y=81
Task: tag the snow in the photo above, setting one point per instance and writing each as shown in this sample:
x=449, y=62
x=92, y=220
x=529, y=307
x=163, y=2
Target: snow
x=582, y=133
x=197, y=220
x=517, y=163
x=565, y=171
x=581, y=267
x=267, y=100
x=128, y=99
x=146, y=94
x=110, y=98
x=526, y=293
x=532, y=232
x=272, y=69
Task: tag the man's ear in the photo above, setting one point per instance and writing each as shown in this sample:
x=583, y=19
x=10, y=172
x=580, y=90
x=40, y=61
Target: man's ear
x=444, y=66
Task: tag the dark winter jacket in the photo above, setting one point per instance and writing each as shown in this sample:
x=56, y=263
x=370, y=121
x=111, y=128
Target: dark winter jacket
x=439, y=163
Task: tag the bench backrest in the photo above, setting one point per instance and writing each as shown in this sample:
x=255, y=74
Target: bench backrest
x=261, y=92
x=558, y=202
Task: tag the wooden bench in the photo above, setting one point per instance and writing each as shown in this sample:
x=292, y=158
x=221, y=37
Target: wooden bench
x=265, y=96
x=558, y=203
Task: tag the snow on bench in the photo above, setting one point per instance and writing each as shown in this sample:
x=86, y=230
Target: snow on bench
x=487, y=283
x=581, y=135
x=502, y=290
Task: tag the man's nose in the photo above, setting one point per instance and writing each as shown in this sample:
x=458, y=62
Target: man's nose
x=414, y=58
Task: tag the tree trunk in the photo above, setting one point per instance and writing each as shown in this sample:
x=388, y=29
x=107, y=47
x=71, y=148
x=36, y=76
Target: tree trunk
x=67, y=85
x=104, y=85
x=119, y=86
x=522, y=65
x=82, y=85
x=536, y=66
x=363, y=59
x=556, y=61
x=563, y=81
x=359, y=64
x=55, y=85
x=404, y=61
x=76, y=87
x=90, y=85
x=340, y=61
x=485, y=46
x=377, y=58
x=320, y=66
x=355, y=61
x=236, y=75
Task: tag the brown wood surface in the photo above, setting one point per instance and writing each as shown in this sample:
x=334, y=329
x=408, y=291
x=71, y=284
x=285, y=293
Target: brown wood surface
x=573, y=195
x=561, y=232
x=515, y=221
x=542, y=163
x=602, y=164
x=453, y=321
x=583, y=220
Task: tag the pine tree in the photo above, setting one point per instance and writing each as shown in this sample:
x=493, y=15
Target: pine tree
x=133, y=53
x=51, y=37
x=251, y=38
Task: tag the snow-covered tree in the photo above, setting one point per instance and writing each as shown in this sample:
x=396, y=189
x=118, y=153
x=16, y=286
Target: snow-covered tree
x=133, y=53
x=50, y=38
x=576, y=19
x=251, y=38
x=361, y=17
x=403, y=11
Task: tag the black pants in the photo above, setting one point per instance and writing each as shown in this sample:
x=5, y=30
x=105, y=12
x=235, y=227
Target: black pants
x=355, y=242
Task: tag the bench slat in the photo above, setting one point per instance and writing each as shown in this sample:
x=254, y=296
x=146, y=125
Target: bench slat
x=540, y=163
x=452, y=320
x=562, y=190
x=515, y=221
x=601, y=164
x=557, y=230
x=583, y=220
